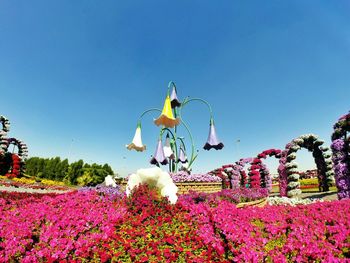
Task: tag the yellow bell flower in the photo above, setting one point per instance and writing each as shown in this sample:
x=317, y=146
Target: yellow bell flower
x=167, y=118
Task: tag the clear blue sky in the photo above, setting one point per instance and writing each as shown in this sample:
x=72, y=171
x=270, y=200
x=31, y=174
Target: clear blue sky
x=75, y=75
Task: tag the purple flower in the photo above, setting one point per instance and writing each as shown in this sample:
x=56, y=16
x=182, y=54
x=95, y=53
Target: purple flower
x=182, y=156
x=173, y=98
x=338, y=145
x=213, y=141
x=159, y=156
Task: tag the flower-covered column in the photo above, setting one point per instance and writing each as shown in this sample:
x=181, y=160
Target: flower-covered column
x=341, y=158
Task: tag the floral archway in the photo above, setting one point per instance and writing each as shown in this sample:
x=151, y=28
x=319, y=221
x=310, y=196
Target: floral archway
x=21, y=146
x=258, y=168
x=239, y=177
x=233, y=175
x=289, y=185
x=341, y=155
x=11, y=164
x=3, y=132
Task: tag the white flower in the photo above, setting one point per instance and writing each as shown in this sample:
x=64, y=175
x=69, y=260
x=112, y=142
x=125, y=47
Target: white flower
x=291, y=165
x=154, y=177
x=293, y=185
x=136, y=143
x=109, y=181
x=293, y=177
x=294, y=192
x=291, y=201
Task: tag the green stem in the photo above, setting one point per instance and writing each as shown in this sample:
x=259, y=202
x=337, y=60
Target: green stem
x=147, y=111
x=193, y=156
x=184, y=103
x=187, y=100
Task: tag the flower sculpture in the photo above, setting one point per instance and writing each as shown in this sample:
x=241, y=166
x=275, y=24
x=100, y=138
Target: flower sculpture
x=289, y=177
x=254, y=173
x=213, y=141
x=341, y=159
x=168, y=152
x=182, y=156
x=154, y=177
x=173, y=98
x=166, y=118
x=159, y=156
x=266, y=181
x=235, y=173
x=136, y=143
x=169, y=119
x=11, y=164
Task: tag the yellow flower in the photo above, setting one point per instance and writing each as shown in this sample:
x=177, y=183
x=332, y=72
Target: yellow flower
x=167, y=118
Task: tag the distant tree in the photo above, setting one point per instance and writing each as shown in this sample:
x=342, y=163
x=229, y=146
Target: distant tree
x=62, y=170
x=108, y=169
x=93, y=175
x=75, y=170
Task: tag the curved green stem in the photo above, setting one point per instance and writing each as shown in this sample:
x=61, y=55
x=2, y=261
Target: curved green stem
x=172, y=83
x=193, y=156
x=184, y=103
x=182, y=142
x=147, y=111
x=187, y=100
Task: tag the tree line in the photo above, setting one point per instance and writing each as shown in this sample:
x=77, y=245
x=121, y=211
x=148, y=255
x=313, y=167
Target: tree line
x=76, y=173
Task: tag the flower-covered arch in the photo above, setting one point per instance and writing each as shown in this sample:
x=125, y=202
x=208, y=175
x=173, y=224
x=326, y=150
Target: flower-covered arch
x=21, y=146
x=3, y=132
x=236, y=173
x=258, y=168
x=11, y=164
x=341, y=155
x=289, y=185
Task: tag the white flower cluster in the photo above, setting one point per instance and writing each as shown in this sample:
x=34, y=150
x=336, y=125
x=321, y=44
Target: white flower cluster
x=154, y=177
x=291, y=201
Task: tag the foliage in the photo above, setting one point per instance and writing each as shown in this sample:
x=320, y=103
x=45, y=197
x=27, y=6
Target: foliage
x=60, y=170
x=309, y=181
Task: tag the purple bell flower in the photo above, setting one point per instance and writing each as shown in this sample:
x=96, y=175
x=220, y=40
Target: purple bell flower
x=173, y=99
x=213, y=141
x=159, y=156
x=182, y=156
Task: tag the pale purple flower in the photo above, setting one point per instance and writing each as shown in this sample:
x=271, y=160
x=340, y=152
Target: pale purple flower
x=159, y=157
x=213, y=141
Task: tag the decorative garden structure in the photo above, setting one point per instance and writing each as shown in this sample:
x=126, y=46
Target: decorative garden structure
x=234, y=174
x=11, y=164
x=174, y=150
x=260, y=167
x=289, y=185
x=341, y=155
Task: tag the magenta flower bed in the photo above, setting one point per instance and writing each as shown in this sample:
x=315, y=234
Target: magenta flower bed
x=318, y=232
x=90, y=225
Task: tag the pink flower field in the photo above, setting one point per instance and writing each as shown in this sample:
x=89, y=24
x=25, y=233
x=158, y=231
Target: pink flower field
x=107, y=226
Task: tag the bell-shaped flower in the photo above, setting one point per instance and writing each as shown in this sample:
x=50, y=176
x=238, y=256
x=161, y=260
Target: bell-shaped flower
x=136, y=143
x=168, y=152
x=173, y=99
x=159, y=156
x=213, y=141
x=167, y=118
x=182, y=156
